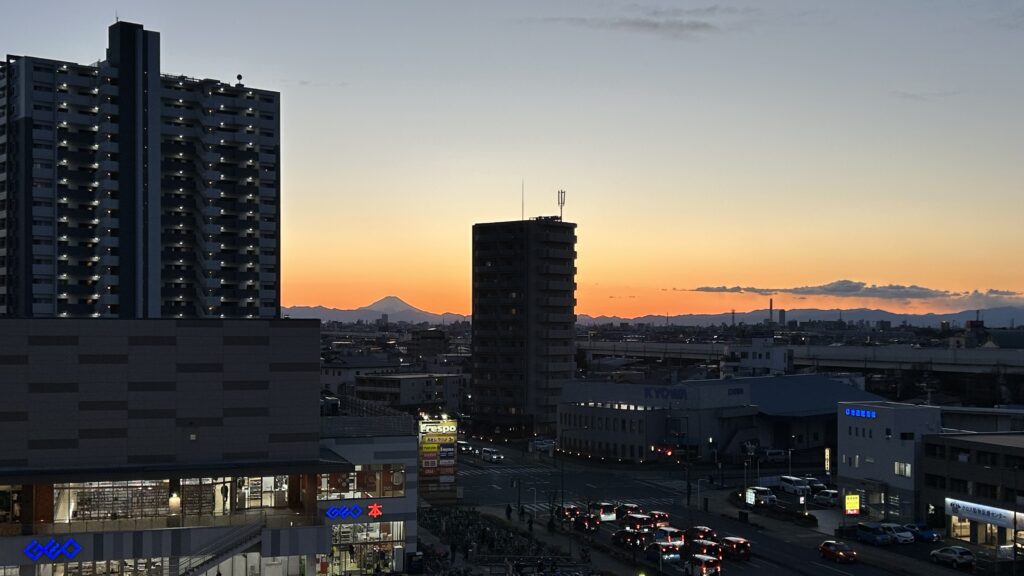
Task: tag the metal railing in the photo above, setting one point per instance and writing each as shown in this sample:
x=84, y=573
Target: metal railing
x=226, y=543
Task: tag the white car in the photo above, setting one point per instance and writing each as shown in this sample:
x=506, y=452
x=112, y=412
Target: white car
x=899, y=534
x=827, y=498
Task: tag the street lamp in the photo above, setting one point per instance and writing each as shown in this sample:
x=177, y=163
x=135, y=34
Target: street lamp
x=790, y=461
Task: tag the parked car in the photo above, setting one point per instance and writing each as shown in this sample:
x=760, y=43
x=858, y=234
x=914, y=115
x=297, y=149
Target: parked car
x=664, y=552
x=629, y=539
x=873, y=533
x=827, y=498
x=736, y=547
x=701, y=565
x=491, y=455
x=837, y=551
x=623, y=510
x=923, y=533
x=898, y=533
x=794, y=485
x=773, y=455
x=955, y=556
x=542, y=444
x=705, y=547
x=587, y=523
x=658, y=518
x=762, y=496
x=701, y=533
x=815, y=484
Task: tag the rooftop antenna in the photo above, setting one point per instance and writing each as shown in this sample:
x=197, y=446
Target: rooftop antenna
x=561, y=203
x=116, y=19
x=522, y=199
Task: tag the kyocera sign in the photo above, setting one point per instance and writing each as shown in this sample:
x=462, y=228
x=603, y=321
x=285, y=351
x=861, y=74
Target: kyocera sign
x=981, y=513
x=438, y=427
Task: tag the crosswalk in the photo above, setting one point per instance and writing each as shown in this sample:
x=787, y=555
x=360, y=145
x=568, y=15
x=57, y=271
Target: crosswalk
x=645, y=503
x=508, y=471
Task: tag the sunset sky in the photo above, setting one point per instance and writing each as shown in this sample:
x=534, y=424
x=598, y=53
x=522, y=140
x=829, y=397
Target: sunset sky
x=752, y=149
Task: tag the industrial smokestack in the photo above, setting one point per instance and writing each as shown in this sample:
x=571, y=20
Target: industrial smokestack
x=771, y=312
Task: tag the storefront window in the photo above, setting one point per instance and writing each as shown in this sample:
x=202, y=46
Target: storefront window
x=960, y=528
x=10, y=504
x=134, y=567
x=262, y=492
x=363, y=548
x=110, y=500
x=367, y=481
x=205, y=496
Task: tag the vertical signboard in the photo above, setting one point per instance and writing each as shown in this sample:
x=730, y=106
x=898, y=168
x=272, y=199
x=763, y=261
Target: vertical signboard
x=437, y=450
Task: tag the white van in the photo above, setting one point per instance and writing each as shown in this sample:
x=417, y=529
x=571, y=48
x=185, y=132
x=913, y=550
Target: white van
x=490, y=455
x=669, y=534
x=773, y=455
x=794, y=485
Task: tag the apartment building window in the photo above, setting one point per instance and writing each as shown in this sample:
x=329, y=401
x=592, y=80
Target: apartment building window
x=958, y=485
x=960, y=455
x=935, y=481
x=934, y=451
x=906, y=435
x=987, y=458
x=985, y=490
x=902, y=469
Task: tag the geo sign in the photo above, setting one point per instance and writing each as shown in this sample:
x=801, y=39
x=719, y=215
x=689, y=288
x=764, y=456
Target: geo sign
x=52, y=549
x=858, y=413
x=342, y=512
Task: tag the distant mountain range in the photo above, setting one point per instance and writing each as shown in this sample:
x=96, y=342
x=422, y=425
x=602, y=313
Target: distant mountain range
x=993, y=317
x=397, y=310
x=400, y=311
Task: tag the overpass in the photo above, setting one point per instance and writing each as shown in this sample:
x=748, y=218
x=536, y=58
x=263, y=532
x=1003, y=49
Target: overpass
x=962, y=361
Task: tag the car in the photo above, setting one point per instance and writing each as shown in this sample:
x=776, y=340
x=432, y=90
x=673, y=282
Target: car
x=794, y=485
x=955, y=556
x=701, y=533
x=701, y=565
x=773, y=455
x=464, y=447
x=491, y=455
x=837, y=551
x=638, y=523
x=566, y=512
x=630, y=539
x=815, y=484
x=761, y=496
x=705, y=547
x=664, y=552
x=898, y=533
x=736, y=547
x=658, y=518
x=873, y=533
x=826, y=498
x=923, y=533
x=623, y=510
x=669, y=534
x=542, y=444
x=587, y=523
x=604, y=510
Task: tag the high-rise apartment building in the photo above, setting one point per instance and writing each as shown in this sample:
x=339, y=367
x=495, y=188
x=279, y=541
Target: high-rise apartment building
x=524, y=323
x=129, y=193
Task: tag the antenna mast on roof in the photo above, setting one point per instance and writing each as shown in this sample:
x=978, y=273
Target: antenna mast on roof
x=522, y=199
x=561, y=203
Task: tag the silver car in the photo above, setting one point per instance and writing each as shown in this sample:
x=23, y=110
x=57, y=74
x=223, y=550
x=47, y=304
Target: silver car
x=955, y=556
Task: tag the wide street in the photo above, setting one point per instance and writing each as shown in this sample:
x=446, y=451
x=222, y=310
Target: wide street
x=541, y=479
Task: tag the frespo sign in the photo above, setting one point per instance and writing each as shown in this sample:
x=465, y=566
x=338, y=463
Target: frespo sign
x=852, y=505
x=439, y=427
x=981, y=513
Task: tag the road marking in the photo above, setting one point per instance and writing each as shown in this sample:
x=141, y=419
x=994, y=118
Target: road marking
x=832, y=569
x=591, y=486
x=495, y=486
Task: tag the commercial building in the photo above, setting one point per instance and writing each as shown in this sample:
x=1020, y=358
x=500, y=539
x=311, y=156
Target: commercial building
x=974, y=486
x=523, y=334
x=721, y=419
x=188, y=446
x=127, y=193
x=882, y=452
x=429, y=392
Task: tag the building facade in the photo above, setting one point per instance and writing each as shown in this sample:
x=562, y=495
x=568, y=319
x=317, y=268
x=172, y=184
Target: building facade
x=128, y=193
x=169, y=447
x=429, y=392
x=523, y=333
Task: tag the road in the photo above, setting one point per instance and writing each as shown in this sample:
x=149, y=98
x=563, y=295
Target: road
x=795, y=552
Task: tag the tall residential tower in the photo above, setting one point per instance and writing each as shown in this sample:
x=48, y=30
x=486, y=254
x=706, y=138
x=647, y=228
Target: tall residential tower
x=129, y=193
x=524, y=322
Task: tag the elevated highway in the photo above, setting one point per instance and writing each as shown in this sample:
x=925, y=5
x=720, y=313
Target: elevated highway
x=963, y=361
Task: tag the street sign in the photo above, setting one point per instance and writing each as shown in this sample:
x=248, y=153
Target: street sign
x=803, y=499
x=853, y=504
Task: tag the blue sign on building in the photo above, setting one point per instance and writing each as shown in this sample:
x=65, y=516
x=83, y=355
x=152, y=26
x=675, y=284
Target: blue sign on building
x=861, y=413
x=52, y=549
x=342, y=512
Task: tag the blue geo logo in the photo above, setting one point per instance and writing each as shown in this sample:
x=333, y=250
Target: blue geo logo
x=52, y=549
x=342, y=512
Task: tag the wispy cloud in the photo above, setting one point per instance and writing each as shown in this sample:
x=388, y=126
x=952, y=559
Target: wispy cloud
x=906, y=293
x=671, y=27
x=918, y=96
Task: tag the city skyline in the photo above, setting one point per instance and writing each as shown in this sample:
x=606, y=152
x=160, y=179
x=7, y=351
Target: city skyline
x=779, y=148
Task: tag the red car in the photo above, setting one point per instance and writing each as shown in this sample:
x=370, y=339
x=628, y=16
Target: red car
x=659, y=518
x=837, y=551
x=588, y=523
